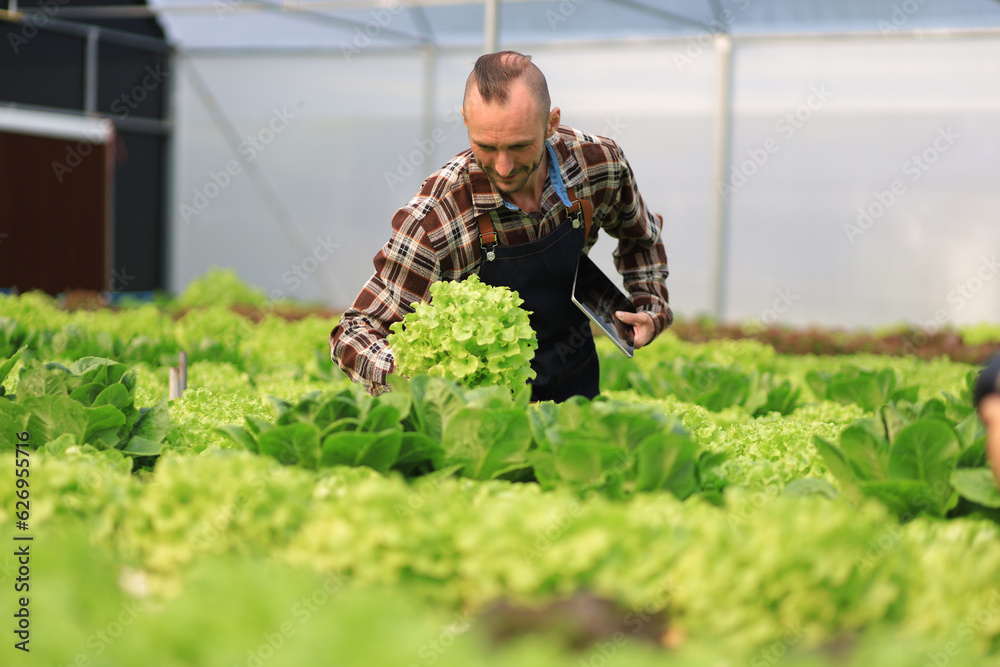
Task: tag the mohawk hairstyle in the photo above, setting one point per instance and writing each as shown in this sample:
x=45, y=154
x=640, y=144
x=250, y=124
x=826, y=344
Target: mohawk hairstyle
x=494, y=72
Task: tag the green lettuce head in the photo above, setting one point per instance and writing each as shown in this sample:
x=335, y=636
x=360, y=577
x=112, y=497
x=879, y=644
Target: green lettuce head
x=470, y=332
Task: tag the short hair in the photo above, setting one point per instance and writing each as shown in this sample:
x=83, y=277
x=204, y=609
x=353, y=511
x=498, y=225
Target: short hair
x=494, y=72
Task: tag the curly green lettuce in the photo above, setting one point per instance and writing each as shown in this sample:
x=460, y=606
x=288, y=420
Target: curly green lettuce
x=469, y=332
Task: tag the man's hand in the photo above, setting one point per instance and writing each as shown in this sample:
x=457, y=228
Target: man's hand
x=643, y=328
x=989, y=412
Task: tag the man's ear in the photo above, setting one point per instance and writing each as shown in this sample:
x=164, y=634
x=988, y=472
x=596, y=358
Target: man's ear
x=554, y=117
x=464, y=120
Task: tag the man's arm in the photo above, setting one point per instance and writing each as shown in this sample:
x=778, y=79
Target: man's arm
x=404, y=270
x=640, y=256
x=987, y=398
x=989, y=412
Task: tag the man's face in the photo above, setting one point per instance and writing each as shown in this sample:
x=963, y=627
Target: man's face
x=508, y=140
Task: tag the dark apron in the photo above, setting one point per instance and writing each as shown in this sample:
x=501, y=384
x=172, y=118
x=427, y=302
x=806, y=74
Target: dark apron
x=542, y=274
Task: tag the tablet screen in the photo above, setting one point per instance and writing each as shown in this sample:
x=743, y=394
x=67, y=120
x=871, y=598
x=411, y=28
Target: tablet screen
x=599, y=298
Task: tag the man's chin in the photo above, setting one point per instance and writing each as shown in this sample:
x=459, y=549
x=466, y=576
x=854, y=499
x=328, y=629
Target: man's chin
x=512, y=188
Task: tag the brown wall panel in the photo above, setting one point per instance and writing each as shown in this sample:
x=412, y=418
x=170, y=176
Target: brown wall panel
x=55, y=213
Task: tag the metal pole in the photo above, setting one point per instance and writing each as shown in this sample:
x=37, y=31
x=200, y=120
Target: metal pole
x=90, y=71
x=430, y=95
x=723, y=140
x=169, y=180
x=491, y=26
x=269, y=195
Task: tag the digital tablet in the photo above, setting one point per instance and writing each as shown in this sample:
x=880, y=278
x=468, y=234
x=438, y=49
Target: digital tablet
x=599, y=298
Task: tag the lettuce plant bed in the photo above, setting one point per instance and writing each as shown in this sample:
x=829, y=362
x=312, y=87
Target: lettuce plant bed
x=972, y=345
x=721, y=503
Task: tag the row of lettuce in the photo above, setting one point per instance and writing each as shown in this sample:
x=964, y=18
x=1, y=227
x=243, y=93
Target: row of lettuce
x=204, y=546
x=789, y=546
x=915, y=456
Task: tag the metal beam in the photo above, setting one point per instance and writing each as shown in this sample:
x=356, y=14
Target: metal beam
x=661, y=13
x=146, y=11
x=723, y=143
x=662, y=40
x=429, y=97
x=491, y=26
x=152, y=126
x=262, y=184
x=423, y=23
x=717, y=13
x=108, y=35
x=299, y=11
x=90, y=71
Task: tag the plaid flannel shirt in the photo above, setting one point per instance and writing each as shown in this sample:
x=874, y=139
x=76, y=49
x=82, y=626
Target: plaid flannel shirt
x=435, y=237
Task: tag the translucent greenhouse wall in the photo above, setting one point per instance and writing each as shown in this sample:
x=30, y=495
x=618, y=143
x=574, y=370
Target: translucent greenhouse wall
x=863, y=191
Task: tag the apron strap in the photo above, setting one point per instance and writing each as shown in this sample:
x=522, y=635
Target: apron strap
x=588, y=210
x=488, y=235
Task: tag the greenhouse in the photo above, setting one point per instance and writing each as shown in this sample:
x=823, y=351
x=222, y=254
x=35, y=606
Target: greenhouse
x=255, y=409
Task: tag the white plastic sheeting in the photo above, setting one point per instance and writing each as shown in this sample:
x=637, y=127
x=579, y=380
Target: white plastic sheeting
x=212, y=24
x=328, y=144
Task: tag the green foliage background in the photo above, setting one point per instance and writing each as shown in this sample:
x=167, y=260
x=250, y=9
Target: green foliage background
x=210, y=554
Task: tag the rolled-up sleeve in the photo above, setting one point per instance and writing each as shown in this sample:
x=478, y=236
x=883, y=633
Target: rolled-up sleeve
x=640, y=256
x=404, y=270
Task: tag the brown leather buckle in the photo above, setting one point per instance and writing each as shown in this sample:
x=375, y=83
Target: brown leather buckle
x=487, y=236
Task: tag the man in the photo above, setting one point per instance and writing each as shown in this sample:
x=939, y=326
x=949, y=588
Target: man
x=986, y=396
x=506, y=210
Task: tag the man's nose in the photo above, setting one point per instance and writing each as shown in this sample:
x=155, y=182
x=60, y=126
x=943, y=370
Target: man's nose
x=504, y=165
